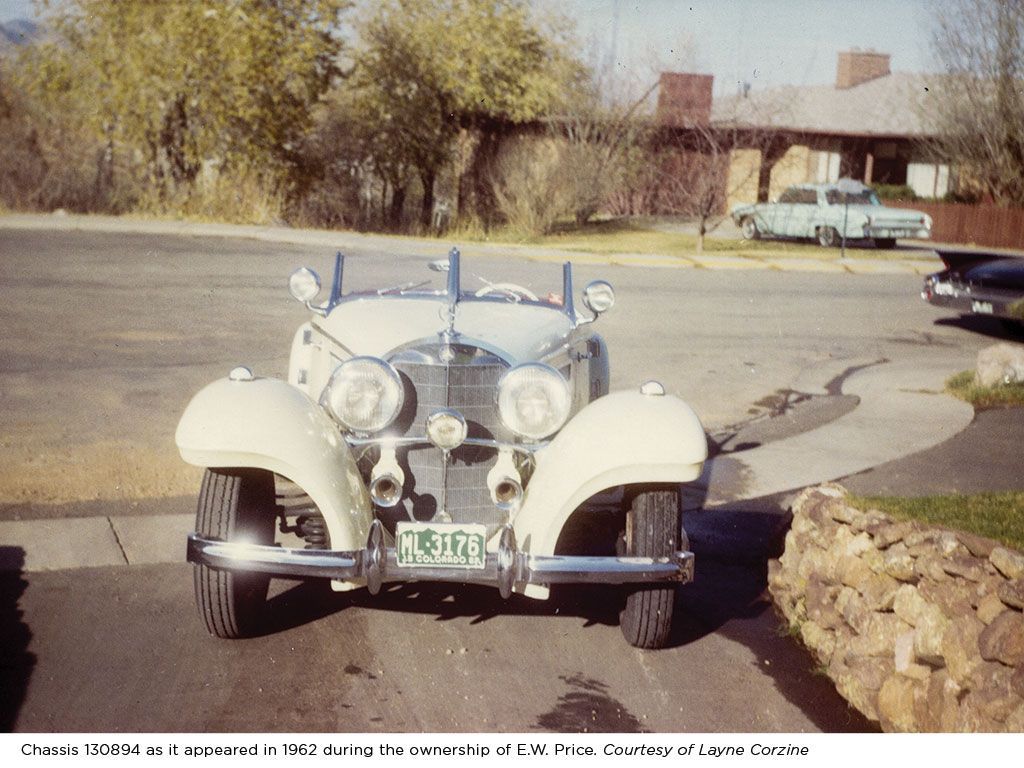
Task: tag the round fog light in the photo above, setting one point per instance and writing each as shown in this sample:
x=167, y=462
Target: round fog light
x=446, y=429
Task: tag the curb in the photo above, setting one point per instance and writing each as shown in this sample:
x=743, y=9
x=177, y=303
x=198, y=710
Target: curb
x=902, y=411
x=348, y=240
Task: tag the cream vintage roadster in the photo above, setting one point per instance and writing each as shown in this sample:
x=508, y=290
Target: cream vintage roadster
x=441, y=435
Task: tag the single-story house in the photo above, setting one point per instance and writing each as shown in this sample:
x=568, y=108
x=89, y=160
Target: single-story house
x=871, y=124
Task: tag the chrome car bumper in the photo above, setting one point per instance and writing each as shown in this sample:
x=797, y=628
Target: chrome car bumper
x=377, y=563
x=894, y=231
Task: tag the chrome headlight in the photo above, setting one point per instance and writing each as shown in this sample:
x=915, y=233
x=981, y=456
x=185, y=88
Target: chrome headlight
x=365, y=394
x=533, y=400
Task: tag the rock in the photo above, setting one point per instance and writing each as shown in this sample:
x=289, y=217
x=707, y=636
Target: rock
x=896, y=704
x=927, y=619
x=898, y=563
x=1000, y=364
x=846, y=544
x=869, y=521
x=964, y=566
x=989, y=607
x=1008, y=562
x=976, y=545
x=992, y=693
x=776, y=576
x=1012, y=593
x=909, y=605
x=953, y=598
x=903, y=651
x=1014, y=722
x=820, y=641
x=842, y=512
x=879, y=636
x=928, y=641
x=853, y=572
x=817, y=564
x=858, y=680
x=886, y=535
x=1003, y=639
x=1017, y=681
x=930, y=567
x=879, y=591
x=943, y=701
x=820, y=604
x=959, y=648
x=856, y=612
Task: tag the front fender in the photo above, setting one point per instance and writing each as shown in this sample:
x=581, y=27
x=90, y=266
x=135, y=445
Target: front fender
x=621, y=439
x=269, y=424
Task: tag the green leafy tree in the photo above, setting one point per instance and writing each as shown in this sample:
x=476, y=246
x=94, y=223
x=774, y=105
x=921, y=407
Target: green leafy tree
x=427, y=69
x=186, y=84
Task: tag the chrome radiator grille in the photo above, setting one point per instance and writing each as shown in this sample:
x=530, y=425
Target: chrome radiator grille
x=460, y=486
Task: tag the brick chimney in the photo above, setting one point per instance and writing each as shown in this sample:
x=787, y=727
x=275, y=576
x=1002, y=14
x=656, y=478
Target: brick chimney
x=856, y=67
x=684, y=99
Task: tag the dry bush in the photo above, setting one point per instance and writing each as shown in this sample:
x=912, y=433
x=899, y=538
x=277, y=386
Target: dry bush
x=237, y=197
x=47, y=161
x=532, y=185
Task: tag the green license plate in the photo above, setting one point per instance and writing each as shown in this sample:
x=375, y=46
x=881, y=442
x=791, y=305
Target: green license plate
x=441, y=545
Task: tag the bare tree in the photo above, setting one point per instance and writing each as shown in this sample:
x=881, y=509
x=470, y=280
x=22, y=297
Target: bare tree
x=700, y=168
x=979, y=107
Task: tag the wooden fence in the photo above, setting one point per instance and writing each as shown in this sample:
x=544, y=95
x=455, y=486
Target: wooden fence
x=982, y=224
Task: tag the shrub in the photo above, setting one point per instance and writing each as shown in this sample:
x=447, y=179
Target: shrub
x=895, y=191
x=530, y=186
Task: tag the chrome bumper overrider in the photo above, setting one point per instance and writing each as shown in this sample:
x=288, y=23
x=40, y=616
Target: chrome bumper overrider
x=378, y=563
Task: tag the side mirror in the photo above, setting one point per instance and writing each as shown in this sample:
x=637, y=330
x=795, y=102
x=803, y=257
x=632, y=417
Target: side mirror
x=599, y=296
x=304, y=285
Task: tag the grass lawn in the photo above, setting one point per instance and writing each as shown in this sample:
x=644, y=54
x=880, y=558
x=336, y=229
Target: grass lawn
x=998, y=516
x=962, y=385
x=637, y=236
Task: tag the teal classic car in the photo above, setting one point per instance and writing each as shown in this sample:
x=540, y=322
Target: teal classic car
x=829, y=213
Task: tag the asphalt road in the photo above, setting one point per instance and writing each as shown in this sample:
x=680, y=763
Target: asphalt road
x=108, y=336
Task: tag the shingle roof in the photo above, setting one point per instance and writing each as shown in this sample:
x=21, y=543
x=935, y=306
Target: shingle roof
x=892, y=105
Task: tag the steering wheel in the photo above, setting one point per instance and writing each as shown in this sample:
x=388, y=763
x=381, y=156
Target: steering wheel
x=509, y=290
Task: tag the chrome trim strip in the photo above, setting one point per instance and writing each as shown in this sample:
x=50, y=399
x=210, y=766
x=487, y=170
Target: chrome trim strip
x=319, y=329
x=379, y=564
x=408, y=440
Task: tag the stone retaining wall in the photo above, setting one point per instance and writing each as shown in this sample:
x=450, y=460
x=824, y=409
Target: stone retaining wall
x=920, y=628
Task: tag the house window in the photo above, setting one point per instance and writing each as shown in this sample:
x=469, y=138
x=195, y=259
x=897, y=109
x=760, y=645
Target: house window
x=828, y=167
x=927, y=179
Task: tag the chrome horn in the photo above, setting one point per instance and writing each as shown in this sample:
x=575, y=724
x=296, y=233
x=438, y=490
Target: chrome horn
x=386, y=480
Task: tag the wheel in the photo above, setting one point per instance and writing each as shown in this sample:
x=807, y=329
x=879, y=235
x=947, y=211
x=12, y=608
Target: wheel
x=749, y=228
x=828, y=237
x=234, y=505
x=652, y=530
x=885, y=242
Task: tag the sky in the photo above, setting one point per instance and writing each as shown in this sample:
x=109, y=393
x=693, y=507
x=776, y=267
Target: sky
x=763, y=42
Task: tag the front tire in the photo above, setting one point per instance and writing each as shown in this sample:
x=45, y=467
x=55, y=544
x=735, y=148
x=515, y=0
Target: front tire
x=749, y=229
x=234, y=505
x=828, y=237
x=652, y=530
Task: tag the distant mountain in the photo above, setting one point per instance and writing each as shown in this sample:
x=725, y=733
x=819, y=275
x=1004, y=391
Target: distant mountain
x=17, y=32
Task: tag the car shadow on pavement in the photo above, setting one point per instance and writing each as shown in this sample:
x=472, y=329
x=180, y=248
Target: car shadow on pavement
x=729, y=596
x=16, y=663
x=981, y=325
x=296, y=604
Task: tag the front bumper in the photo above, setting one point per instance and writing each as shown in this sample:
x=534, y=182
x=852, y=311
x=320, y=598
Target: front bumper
x=894, y=231
x=505, y=568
